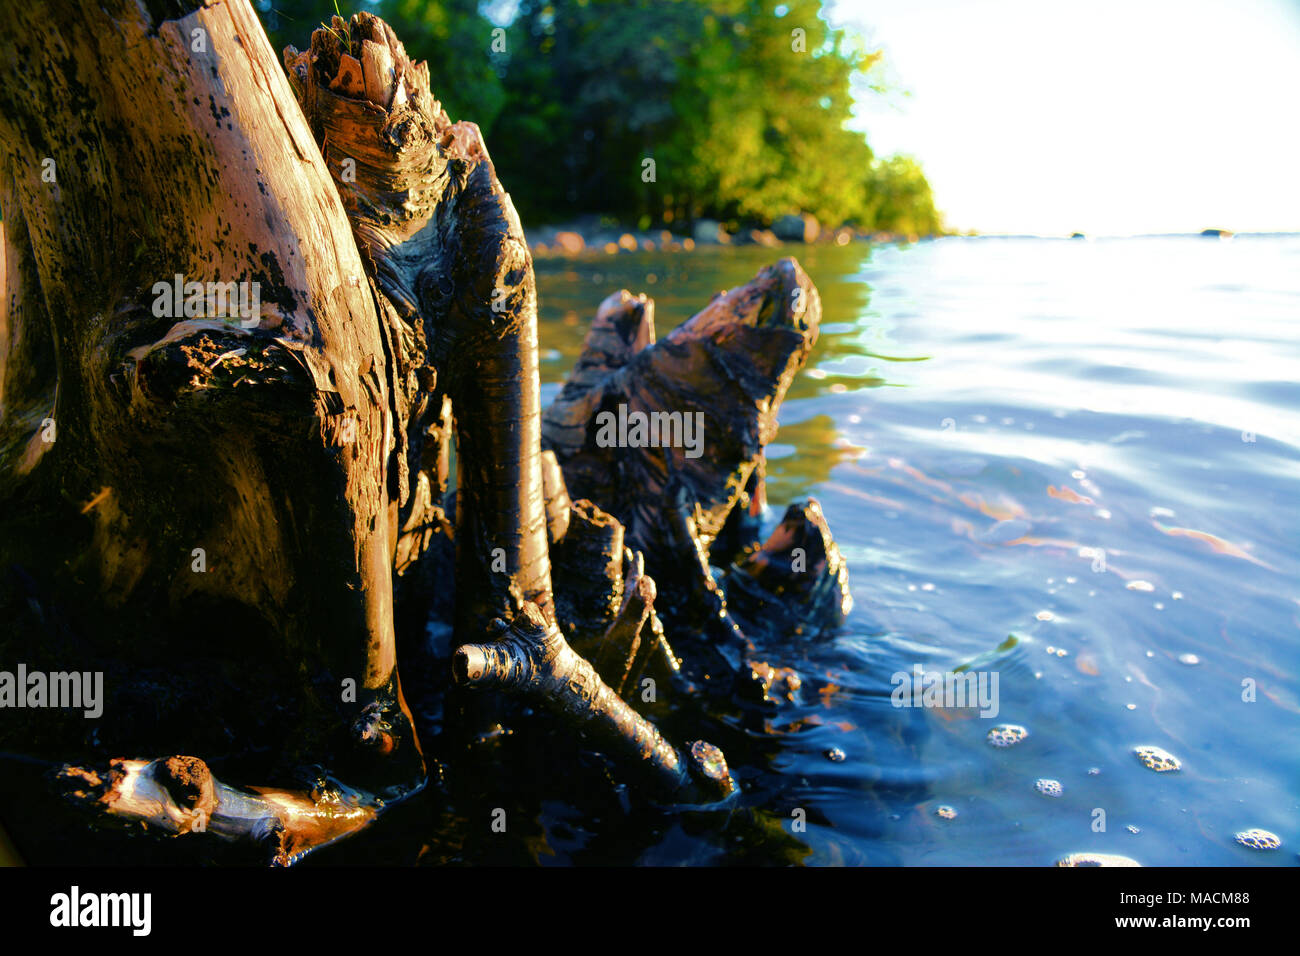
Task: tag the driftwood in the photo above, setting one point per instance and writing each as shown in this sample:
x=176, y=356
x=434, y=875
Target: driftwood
x=178, y=795
x=632, y=424
x=274, y=488
x=799, y=577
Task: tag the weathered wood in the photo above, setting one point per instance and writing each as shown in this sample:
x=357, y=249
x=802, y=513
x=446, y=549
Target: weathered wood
x=256, y=442
x=725, y=371
x=457, y=298
x=798, y=581
x=178, y=795
x=306, y=452
x=530, y=656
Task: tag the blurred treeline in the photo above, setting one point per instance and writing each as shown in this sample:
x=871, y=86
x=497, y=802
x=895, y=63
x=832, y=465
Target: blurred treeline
x=741, y=105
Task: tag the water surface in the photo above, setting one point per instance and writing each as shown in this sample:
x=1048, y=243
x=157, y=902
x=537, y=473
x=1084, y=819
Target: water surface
x=1070, y=462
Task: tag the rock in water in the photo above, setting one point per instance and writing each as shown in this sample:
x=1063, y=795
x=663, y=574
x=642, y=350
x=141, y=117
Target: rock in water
x=800, y=228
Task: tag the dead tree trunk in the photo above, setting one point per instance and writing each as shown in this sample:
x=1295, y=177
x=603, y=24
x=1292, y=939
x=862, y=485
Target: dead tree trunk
x=186, y=487
x=235, y=465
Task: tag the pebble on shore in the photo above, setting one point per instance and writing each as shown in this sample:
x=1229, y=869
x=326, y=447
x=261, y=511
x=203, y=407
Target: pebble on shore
x=591, y=237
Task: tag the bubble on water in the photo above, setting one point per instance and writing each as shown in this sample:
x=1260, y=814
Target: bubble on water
x=1177, y=595
x=855, y=419
x=1103, y=513
x=1132, y=829
x=1158, y=606
x=1191, y=660
x=1094, y=771
x=1158, y=512
x=927, y=586
x=1258, y=839
x=1045, y=616
x=1071, y=580
x=1151, y=653
x=1061, y=652
x=1130, y=706
x=1097, y=859
x=1157, y=759
x=1140, y=586
x=1078, y=474
x=1007, y=735
x=1051, y=649
x=945, y=811
x=835, y=755
x=1048, y=788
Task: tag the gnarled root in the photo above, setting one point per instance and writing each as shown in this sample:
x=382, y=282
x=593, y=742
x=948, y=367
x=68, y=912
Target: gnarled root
x=173, y=796
x=530, y=656
x=714, y=385
x=798, y=579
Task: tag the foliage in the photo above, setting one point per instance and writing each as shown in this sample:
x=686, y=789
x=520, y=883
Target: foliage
x=740, y=104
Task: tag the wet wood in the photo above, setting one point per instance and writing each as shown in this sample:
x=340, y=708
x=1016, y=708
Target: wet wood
x=176, y=796
x=798, y=577
x=237, y=470
x=724, y=371
x=306, y=454
x=530, y=656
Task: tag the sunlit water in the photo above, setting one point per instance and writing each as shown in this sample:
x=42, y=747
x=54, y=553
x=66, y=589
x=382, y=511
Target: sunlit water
x=1129, y=411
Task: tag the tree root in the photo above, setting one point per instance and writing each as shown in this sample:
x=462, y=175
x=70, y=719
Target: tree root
x=727, y=369
x=798, y=580
x=173, y=796
x=530, y=656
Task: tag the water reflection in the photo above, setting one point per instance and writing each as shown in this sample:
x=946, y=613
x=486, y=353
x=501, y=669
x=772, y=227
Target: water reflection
x=1071, y=463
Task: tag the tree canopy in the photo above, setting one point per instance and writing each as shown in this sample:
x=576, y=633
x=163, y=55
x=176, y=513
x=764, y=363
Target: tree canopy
x=657, y=111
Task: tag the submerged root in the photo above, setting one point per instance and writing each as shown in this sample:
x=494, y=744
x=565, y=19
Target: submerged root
x=529, y=656
x=173, y=796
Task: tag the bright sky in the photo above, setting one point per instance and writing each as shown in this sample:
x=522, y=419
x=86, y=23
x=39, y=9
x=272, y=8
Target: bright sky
x=1108, y=117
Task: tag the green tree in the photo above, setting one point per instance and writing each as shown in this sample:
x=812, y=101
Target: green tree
x=899, y=198
x=740, y=104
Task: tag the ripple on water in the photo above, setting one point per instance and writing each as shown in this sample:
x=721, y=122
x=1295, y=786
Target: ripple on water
x=1048, y=788
x=1007, y=735
x=1154, y=758
x=1258, y=839
x=835, y=755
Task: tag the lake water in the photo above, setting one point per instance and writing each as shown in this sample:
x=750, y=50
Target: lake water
x=1070, y=463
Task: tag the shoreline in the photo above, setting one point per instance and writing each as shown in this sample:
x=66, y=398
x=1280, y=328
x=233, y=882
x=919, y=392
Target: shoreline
x=590, y=238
